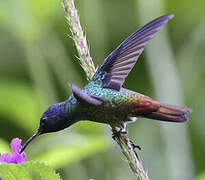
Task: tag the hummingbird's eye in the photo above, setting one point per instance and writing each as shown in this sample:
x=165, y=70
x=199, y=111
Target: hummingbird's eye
x=43, y=120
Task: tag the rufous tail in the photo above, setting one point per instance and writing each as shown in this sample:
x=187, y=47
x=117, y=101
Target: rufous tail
x=170, y=113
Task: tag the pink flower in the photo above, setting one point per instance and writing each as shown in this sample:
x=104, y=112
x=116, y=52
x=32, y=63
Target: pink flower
x=16, y=157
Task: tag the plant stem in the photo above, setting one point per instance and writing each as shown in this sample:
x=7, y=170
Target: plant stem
x=87, y=64
x=128, y=150
x=79, y=38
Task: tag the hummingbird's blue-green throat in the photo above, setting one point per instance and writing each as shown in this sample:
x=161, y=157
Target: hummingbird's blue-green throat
x=104, y=100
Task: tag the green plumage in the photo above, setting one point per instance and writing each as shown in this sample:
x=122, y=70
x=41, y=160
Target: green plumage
x=114, y=111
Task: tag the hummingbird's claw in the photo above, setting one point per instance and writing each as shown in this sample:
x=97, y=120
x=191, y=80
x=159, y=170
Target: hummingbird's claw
x=134, y=146
x=122, y=132
x=118, y=133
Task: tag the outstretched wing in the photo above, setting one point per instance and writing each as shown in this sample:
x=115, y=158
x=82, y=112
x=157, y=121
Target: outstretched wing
x=116, y=67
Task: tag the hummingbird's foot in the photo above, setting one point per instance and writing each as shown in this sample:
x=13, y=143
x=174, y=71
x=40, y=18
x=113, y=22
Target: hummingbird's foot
x=134, y=146
x=118, y=133
x=121, y=133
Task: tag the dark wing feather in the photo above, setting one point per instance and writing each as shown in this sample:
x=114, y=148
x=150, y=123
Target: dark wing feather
x=120, y=62
x=83, y=96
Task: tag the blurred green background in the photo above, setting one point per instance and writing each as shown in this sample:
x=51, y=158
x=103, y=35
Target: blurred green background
x=37, y=59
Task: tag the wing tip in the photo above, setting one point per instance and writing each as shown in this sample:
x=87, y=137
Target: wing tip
x=188, y=110
x=164, y=18
x=170, y=16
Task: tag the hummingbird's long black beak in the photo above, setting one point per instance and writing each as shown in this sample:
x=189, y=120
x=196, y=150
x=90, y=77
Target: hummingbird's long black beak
x=37, y=133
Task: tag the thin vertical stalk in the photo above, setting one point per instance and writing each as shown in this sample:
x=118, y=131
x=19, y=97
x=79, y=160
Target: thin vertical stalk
x=79, y=38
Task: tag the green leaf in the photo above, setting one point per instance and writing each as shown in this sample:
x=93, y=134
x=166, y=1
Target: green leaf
x=32, y=170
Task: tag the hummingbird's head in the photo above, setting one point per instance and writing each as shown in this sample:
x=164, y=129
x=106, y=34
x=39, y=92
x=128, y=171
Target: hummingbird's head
x=52, y=120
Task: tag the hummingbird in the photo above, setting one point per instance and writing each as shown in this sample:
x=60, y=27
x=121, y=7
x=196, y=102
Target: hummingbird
x=104, y=100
